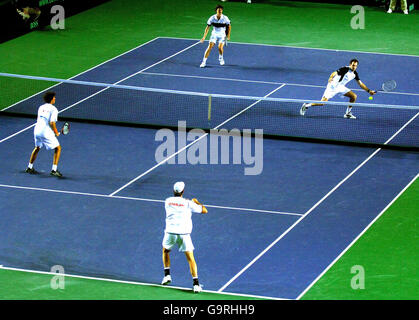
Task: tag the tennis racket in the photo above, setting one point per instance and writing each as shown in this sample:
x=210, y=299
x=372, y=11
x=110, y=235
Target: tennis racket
x=388, y=86
x=66, y=128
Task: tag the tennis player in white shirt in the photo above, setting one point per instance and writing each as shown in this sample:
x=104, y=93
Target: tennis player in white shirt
x=337, y=85
x=178, y=231
x=46, y=133
x=221, y=29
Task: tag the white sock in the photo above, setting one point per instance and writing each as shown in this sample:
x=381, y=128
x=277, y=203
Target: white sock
x=30, y=165
x=308, y=105
x=54, y=167
x=348, y=110
x=220, y=57
x=204, y=59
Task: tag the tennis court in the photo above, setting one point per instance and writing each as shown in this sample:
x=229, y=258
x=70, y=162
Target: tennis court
x=268, y=235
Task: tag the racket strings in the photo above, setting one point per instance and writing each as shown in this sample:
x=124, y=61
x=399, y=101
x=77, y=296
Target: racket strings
x=389, y=85
x=66, y=128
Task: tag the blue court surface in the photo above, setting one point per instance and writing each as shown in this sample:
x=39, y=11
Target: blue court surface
x=271, y=234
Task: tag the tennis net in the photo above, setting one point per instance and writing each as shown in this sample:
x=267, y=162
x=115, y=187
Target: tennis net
x=389, y=126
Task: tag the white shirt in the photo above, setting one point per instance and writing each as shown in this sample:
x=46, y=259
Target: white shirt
x=46, y=113
x=179, y=214
x=344, y=75
x=219, y=26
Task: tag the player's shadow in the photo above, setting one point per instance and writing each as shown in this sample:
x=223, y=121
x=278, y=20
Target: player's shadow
x=270, y=69
x=43, y=175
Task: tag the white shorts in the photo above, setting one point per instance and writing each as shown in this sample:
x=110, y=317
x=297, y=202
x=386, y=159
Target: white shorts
x=184, y=241
x=332, y=90
x=217, y=37
x=46, y=138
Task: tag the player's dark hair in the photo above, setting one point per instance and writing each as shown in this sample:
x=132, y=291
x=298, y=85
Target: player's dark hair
x=219, y=7
x=178, y=194
x=353, y=60
x=48, y=96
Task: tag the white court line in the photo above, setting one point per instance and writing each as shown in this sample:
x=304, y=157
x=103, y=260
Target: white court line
x=400, y=130
x=265, y=82
x=306, y=48
x=256, y=210
x=312, y=208
x=16, y=133
x=295, y=224
x=193, y=142
x=92, y=95
x=133, y=282
x=143, y=199
x=90, y=69
x=357, y=238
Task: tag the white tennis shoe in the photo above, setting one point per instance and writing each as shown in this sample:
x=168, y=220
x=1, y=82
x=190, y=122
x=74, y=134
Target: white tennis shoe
x=222, y=62
x=203, y=64
x=349, y=115
x=166, y=280
x=303, y=109
x=197, y=288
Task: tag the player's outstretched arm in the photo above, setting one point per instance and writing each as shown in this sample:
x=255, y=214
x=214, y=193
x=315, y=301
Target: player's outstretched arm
x=204, y=210
x=363, y=86
x=332, y=76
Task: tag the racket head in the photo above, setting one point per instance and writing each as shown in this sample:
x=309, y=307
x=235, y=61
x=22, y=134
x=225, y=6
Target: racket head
x=389, y=85
x=66, y=128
